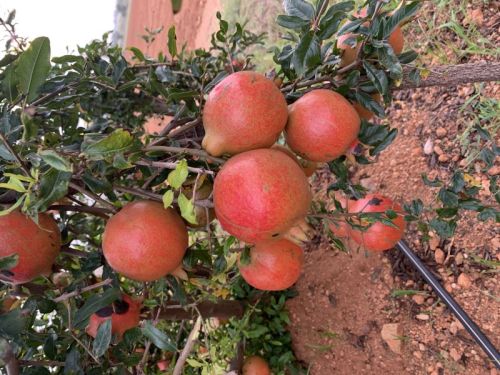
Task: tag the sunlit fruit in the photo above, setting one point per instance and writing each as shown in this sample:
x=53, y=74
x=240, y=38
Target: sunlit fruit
x=124, y=315
x=273, y=265
x=321, y=125
x=309, y=167
x=256, y=365
x=379, y=236
x=260, y=194
x=245, y=111
x=37, y=245
x=145, y=241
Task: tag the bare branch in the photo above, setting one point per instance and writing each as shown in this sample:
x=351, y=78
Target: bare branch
x=98, y=211
x=193, y=335
x=92, y=196
x=172, y=165
x=189, y=151
x=65, y=296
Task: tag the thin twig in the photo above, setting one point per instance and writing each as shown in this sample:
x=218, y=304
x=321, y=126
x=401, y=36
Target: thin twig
x=89, y=352
x=193, y=335
x=98, y=211
x=93, y=196
x=25, y=362
x=66, y=296
x=189, y=151
x=15, y=154
x=172, y=165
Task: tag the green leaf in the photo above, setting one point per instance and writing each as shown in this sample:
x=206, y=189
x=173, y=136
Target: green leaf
x=378, y=78
x=119, y=162
x=487, y=156
x=178, y=176
x=94, y=303
x=489, y=213
x=49, y=347
x=447, y=212
x=391, y=136
x=102, y=339
x=72, y=363
x=97, y=185
x=307, y=54
x=9, y=84
x=407, y=57
x=400, y=15
x=292, y=22
x=299, y=8
x=172, y=42
x=157, y=337
x=30, y=126
x=13, y=184
x=168, y=198
x=55, y=160
x=390, y=61
x=449, y=198
x=33, y=67
x=432, y=183
x=18, y=203
x=8, y=262
x=137, y=53
x=187, y=209
x=330, y=22
x=444, y=229
x=13, y=323
x=118, y=141
x=53, y=186
x=369, y=103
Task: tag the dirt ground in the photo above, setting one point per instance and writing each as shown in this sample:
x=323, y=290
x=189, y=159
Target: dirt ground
x=344, y=300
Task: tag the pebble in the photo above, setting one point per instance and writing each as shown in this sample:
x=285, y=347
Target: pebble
x=421, y=347
x=439, y=256
x=464, y=281
x=417, y=355
x=459, y=259
x=443, y=158
x=434, y=243
x=453, y=328
x=422, y=317
x=455, y=354
x=418, y=299
x=438, y=150
x=441, y=132
x=391, y=333
x=428, y=147
x=493, y=171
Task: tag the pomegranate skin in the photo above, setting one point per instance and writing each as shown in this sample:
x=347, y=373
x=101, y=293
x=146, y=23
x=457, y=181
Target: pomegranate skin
x=245, y=111
x=145, y=241
x=378, y=237
x=322, y=125
x=260, y=194
x=256, y=365
x=274, y=265
x=119, y=322
x=36, y=245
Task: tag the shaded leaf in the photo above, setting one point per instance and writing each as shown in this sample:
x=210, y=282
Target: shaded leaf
x=72, y=363
x=292, y=22
x=307, y=54
x=53, y=186
x=118, y=141
x=157, y=337
x=299, y=8
x=94, y=303
x=8, y=262
x=378, y=78
x=55, y=160
x=102, y=339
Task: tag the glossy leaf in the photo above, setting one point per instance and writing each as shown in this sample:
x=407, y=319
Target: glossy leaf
x=178, y=176
x=94, y=303
x=157, y=337
x=307, y=54
x=168, y=198
x=8, y=262
x=55, y=160
x=102, y=339
x=53, y=186
x=187, y=208
x=299, y=8
x=118, y=141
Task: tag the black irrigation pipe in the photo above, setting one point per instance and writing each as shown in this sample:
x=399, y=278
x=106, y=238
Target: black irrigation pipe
x=457, y=310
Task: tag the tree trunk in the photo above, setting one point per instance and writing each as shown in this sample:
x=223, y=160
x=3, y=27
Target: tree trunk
x=453, y=75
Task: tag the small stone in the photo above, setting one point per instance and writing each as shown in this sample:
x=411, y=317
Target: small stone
x=464, y=281
x=441, y=132
x=476, y=16
x=443, y=158
x=459, y=259
x=453, y=328
x=495, y=243
x=422, y=317
x=434, y=243
x=421, y=347
x=439, y=256
x=455, y=354
x=428, y=147
x=391, y=333
x=368, y=184
x=438, y=150
x=418, y=299
x=493, y=171
x=417, y=355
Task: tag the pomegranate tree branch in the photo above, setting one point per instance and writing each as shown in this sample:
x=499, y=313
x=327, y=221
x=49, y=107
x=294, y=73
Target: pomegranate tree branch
x=193, y=335
x=189, y=151
x=98, y=211
x=92, y=196
x=172, y=165
x=65, y=296
x=453, y=75
x=220, y=309
x=15, y=154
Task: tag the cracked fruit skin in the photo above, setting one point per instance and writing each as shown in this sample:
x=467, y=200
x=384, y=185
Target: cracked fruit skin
x=378, y=237
x=36, y=245
x=245, y=111
x=256, y=365
x=274, y=265
x=145, y=241
x=260, y=194
x=321, y=126
x=124, y=315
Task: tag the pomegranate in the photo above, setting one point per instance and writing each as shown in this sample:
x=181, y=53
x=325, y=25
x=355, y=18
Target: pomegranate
x=124, y=315
x=145, y=241
x=378, y=237
x=260, y=194
x=274, y=265
x=256, y=365
x=37, y=245
x=309, y=167
x=322, y=125
x=245, y=111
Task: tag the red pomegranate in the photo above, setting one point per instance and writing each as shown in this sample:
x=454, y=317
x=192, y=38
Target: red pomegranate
x=274, y=265
x=145, y=241
x=309, y=167
x=378, y=237
x=245, y=111
x=260, y=194
x=256, y=365
x=37, y=245
x=124, y=315
x=321, y=125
